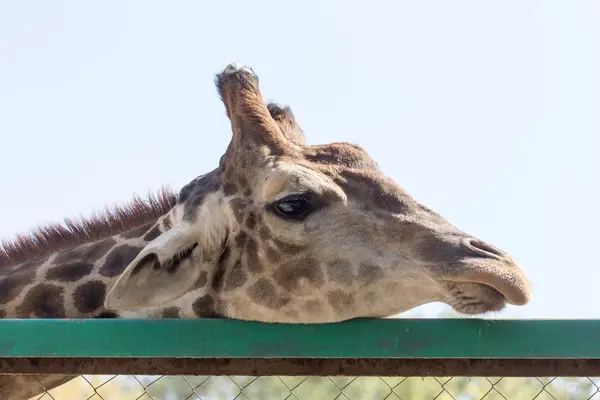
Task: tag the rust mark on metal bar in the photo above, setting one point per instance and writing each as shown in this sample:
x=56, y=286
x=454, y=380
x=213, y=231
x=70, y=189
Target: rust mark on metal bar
x=303, y=366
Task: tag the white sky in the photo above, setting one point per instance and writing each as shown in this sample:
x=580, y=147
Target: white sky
x=488, y=112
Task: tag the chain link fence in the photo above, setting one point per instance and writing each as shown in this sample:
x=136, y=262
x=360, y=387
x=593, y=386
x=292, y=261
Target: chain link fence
x=122, y=387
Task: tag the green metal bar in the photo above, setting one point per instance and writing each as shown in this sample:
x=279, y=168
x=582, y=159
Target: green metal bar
x=366, y=338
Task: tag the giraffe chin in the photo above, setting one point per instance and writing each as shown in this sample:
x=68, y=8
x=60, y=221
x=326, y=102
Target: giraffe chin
x=474, y=298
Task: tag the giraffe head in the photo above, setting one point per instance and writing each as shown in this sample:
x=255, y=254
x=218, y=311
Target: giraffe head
x=286, y=232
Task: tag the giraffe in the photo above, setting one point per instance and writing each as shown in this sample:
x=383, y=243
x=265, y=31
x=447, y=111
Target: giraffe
x=279, y=231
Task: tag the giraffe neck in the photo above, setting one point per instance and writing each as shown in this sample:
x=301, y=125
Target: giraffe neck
x=73, y=283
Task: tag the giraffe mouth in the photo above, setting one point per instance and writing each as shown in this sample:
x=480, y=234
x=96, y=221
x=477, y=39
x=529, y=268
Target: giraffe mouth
x=474, y=298
x=485, y=283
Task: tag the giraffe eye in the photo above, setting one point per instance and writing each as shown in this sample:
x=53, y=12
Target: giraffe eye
x=295, y=207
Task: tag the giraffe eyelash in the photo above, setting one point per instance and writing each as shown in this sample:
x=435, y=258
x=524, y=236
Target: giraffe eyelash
x=183, y=254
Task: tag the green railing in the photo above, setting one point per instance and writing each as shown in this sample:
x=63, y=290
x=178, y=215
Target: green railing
x=360, y=359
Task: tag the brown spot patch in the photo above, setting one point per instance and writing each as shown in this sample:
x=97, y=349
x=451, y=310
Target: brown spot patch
x=94, y=251
x=264, y=233
x=89, y=297
x=226, y=257
x=91, y=252
x=43, y=301
x=2, y=314
x=292, y=314
x=170, y=312
x=287, y=247
x=370, y=298
x=73, y=254
x=13, y=282
x=193, y=205
x=263, y=292
x=291, y=274
x=152, y=233
x=341, y=302
x=369, y=274
x=225, y=262
x=240, y=239
x=238, y=207
x=167, y=223
x=107, y=314
x=204, y=307
x=70, y=272
x=346, y=154
x=313, y=307
x=236, y=278
x=218, y=279
x=242, y=181
x=392, y=287
x=250, y=222
x=118, y=259
x=202, y=280
x=253, y=262
x=340, y=271
x=197, y=191
x=200, y=186
x=137, y=232
x=273, y=254
x=229, y=189
x=375, y=190
x=228, y=172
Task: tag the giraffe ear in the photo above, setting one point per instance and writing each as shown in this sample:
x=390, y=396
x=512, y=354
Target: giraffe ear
x=166, y=269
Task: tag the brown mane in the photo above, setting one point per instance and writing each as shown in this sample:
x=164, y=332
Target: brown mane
x=48, y=239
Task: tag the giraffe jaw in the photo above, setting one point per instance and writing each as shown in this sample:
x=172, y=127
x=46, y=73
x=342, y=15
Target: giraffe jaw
x=463, y=300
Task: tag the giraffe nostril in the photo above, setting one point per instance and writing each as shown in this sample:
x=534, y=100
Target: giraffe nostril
x=484, y=248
